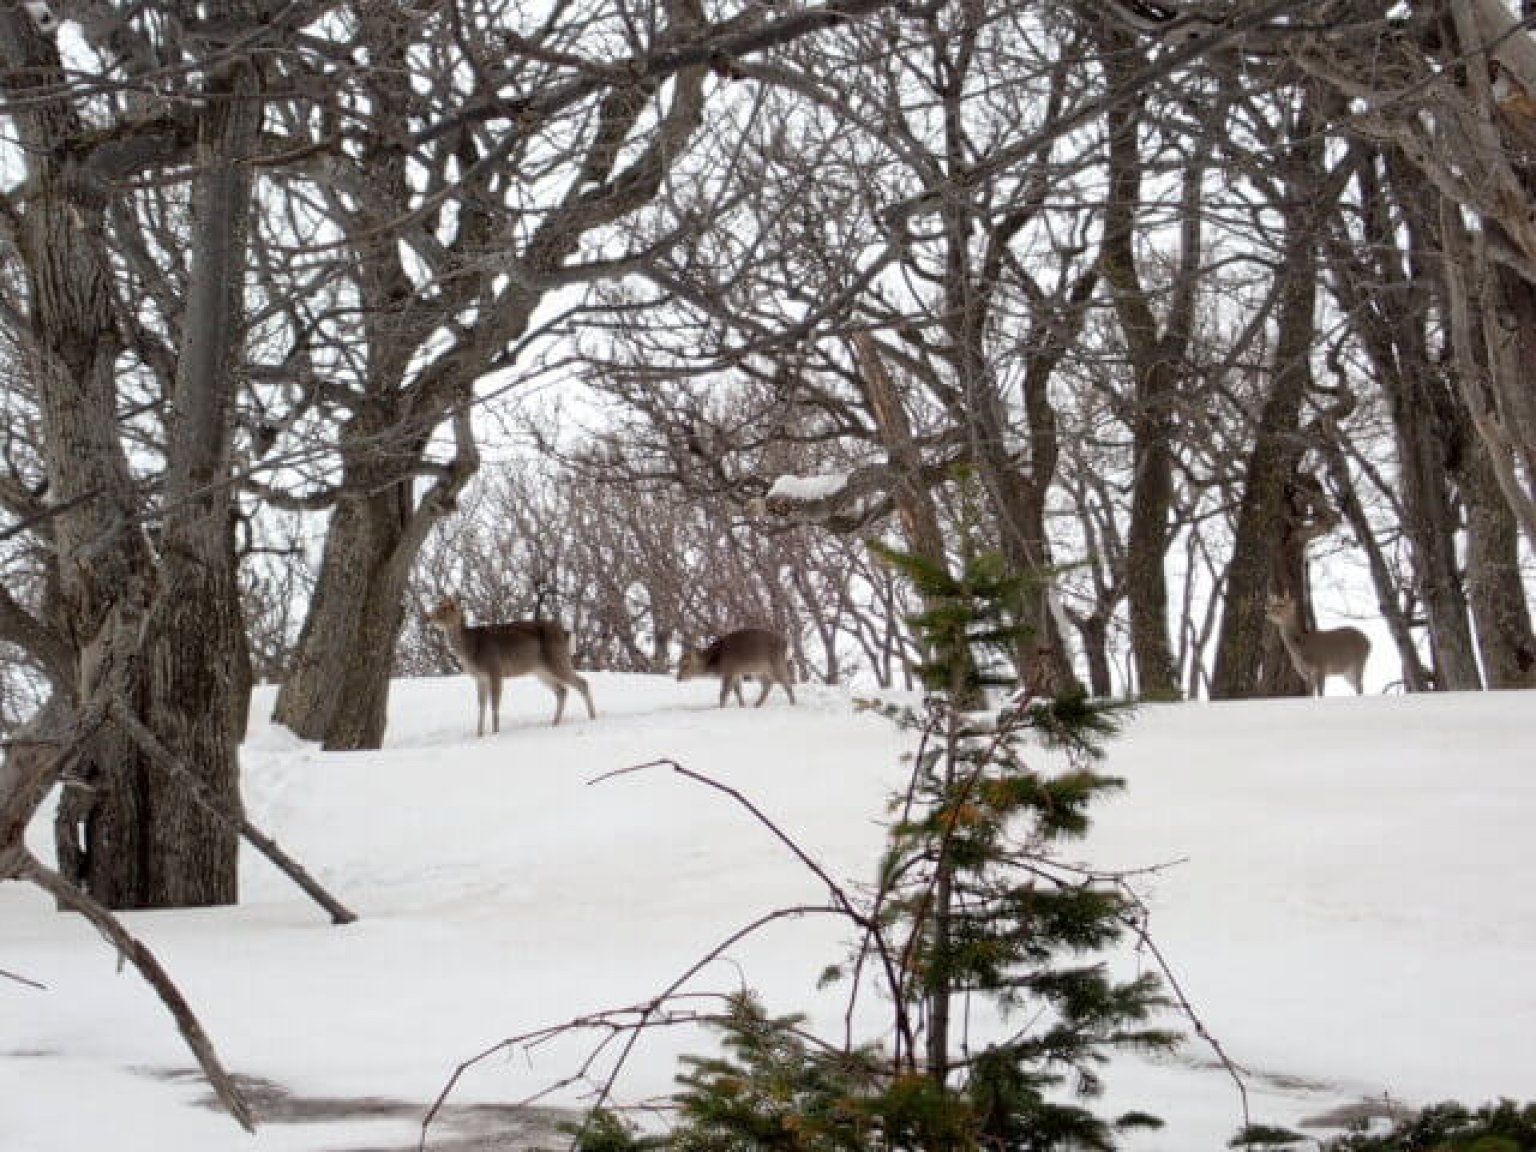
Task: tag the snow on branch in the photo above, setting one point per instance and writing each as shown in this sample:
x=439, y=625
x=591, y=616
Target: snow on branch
x=846, y=503
x=808, y=488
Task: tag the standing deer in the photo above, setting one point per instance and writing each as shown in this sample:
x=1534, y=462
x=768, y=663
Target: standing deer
x=493, y=652
x=1319, y=655
x=755, y=652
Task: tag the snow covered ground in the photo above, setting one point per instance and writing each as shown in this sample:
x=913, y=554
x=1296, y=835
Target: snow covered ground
x=1351, y=913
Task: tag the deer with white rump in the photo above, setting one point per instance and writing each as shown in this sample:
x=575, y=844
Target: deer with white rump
x=496, y=652
x=754, y=652
x=1321, y=654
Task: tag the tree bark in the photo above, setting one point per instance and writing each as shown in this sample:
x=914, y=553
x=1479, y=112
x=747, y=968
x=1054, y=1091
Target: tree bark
x=1500, y=614
x=337, y=690
x=1155, y=358
x=1246, y=644
x=198, y=683
x=120, y=844
x=1391, y=317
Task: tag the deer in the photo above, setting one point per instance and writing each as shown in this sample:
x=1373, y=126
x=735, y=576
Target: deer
x=494, y=652
x=1321, y=654
x=755, y=652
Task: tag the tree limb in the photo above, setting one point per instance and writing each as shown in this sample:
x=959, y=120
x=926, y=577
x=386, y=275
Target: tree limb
x=164, y=759
x=20, y=864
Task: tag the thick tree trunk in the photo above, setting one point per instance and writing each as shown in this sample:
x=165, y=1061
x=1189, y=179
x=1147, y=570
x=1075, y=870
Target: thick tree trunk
x=1146, y=578
x=337, y=689
x=104, y=562
x=1433, y=434
x=1094, y=630
x=1427, y=438
x=193, y=654
x=1047, y=664
x=916, y=511
x=1500, y=614
x=158, y=638
x=1246, y=642
x=1156, y=353
x=1431, y=430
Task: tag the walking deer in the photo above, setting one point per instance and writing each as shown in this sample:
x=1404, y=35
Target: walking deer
x=494, y=652
x=1321, y=654
x=754, y=652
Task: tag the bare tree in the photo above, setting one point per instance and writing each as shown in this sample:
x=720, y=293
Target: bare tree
x=506, y=180
x=1157, y=349
x=152, y=624
x=1278, y=513
x=1450, y=87
x=635, y=575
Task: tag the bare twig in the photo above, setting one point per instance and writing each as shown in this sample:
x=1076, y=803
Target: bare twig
x=648, y=1014
x=1138, y=927
x=893, y=970
x=8, y=975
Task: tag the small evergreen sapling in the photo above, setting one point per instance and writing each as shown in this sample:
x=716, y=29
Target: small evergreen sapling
x=971, y=907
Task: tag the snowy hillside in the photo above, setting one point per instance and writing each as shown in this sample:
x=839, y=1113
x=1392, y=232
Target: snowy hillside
x=1351, y=914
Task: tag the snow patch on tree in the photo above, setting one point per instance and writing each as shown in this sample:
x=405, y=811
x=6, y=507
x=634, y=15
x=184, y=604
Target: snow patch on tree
x=808, y=488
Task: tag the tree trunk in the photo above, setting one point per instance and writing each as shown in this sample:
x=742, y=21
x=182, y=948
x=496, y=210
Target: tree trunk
x=1241, y=648
x=193, y=654
x=916, y=511
x=1430, y=430
x=1146, y=579
x=1500, y=613
x=160, y=640
x=1094, y=630
x=1155, y=356
x=1427, y=439
x=337, y=689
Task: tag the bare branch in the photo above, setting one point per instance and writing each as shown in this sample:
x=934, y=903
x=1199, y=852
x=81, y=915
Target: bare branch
x=166, y=761
x=22, y=865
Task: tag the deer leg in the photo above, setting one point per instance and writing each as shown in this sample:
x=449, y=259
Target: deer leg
x=496, y=704
x=763, y=695
x=554, y=684
x=781, y=673
x=580, y=685
x=481, y=695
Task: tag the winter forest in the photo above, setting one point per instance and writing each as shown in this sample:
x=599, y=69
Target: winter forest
x=654, y=317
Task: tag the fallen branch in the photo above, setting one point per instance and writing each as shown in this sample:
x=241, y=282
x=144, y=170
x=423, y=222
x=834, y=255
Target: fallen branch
x=22, y=865
x=164, y=759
